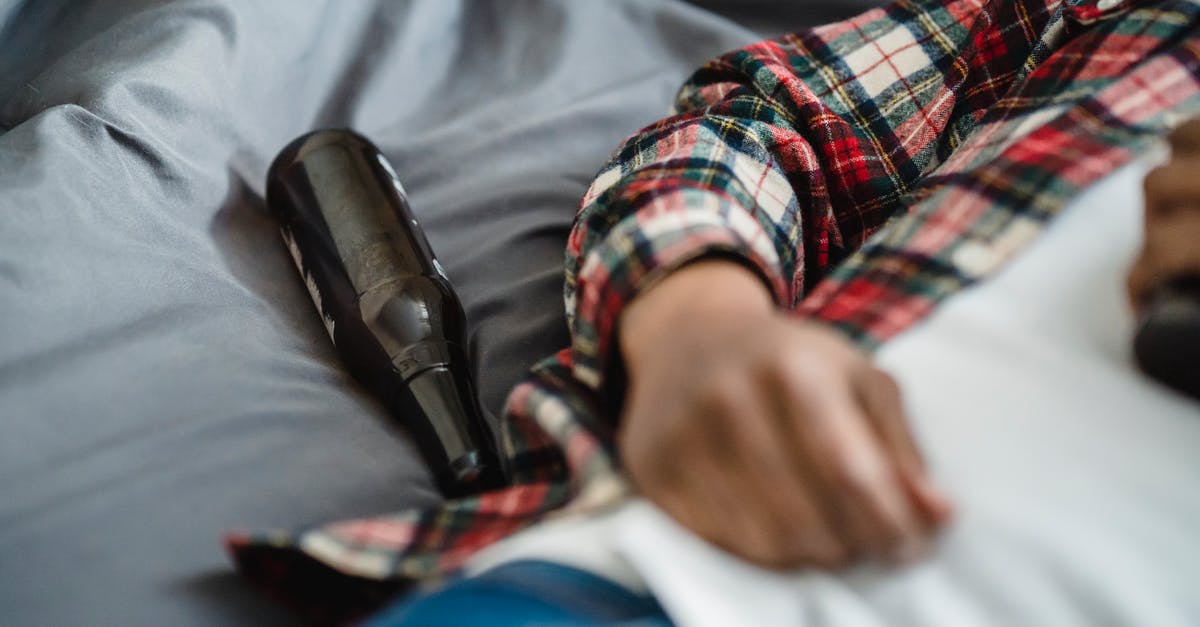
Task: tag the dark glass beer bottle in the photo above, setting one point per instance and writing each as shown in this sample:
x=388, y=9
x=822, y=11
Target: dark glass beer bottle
x=392, y=314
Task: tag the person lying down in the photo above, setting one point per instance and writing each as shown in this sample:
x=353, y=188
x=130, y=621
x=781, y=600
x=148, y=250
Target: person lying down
x=734, y=434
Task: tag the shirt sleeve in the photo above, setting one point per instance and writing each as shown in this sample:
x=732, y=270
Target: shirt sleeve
x=782, y=156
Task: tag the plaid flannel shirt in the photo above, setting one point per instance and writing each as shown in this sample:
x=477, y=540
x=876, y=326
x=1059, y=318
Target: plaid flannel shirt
x=866, y=170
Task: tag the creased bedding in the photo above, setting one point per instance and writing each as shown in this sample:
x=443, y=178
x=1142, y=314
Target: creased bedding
x=162, y=375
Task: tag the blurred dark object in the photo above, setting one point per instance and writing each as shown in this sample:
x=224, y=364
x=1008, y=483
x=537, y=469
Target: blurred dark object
x=1167, y=343
x=391, y=312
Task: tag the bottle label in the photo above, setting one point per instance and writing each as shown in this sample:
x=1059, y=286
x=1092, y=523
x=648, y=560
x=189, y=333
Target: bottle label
x=313, y=291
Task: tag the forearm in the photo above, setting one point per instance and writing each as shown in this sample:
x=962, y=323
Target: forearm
x=777, y=161
x=704, y=184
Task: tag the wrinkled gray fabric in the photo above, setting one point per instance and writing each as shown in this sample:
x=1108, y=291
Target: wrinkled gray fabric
x=163, y=377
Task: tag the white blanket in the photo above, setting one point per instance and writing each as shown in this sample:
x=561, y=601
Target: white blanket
x=1077, y=481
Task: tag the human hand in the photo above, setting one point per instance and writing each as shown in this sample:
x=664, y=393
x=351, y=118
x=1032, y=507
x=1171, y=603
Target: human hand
x=1171, y=247
x=770, y=437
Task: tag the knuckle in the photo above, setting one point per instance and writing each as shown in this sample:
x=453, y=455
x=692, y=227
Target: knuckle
x=801, y=370
x=782, y=362
x=1156, y=179
x=857, y=475
x=789, y=377
x=720, y=396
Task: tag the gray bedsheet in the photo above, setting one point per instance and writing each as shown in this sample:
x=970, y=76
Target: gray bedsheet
x=162, y=375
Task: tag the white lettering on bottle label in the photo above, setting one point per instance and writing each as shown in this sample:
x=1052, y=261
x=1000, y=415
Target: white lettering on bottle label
x=308, y=281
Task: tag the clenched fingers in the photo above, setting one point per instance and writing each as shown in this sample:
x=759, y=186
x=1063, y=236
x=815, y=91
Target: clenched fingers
x=859, y=481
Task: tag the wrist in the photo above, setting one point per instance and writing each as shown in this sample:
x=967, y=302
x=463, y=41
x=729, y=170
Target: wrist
x=697, y=295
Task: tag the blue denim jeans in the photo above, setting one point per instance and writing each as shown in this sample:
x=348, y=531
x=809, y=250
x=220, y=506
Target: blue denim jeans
x=526, y=593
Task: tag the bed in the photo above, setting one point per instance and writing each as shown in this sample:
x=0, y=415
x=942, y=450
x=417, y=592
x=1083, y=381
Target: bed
x=163, y=378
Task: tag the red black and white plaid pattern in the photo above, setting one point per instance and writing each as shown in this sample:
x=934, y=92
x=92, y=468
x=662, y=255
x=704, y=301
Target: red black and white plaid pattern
x=867, y=170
